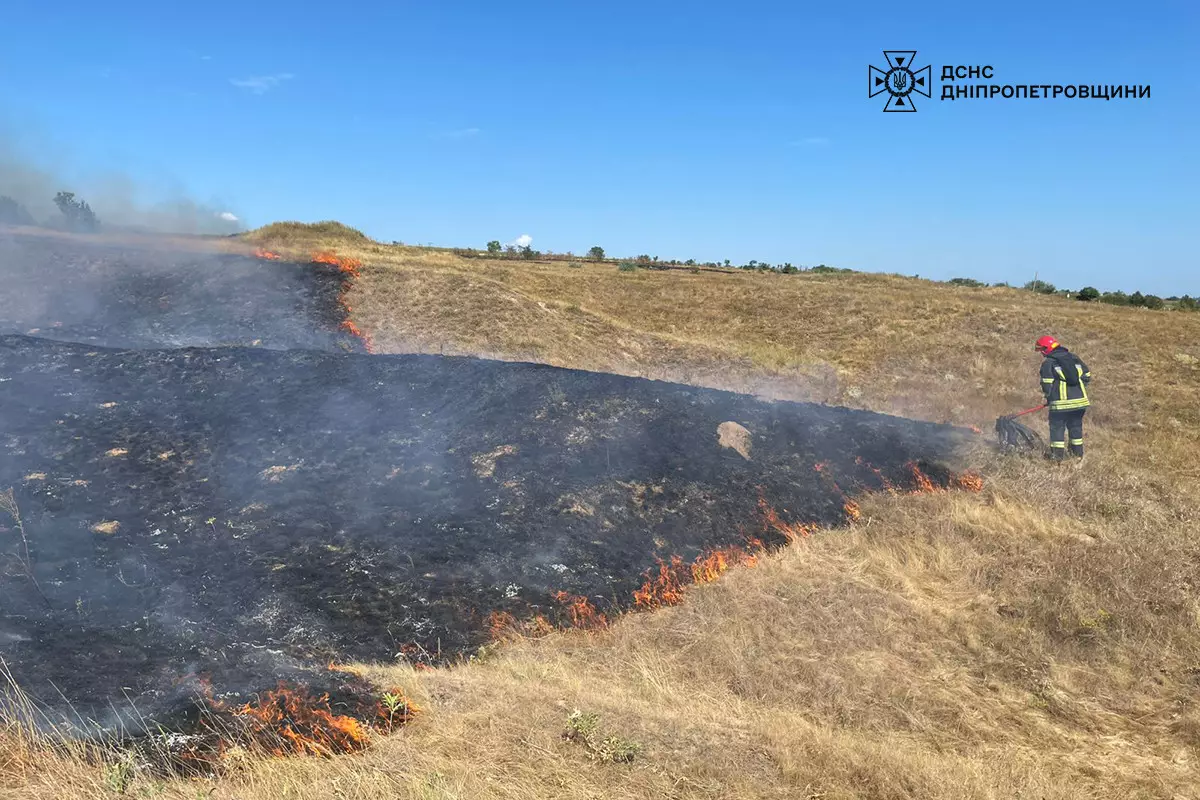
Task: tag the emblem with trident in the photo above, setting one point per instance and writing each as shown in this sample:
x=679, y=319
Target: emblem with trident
x=900, y=80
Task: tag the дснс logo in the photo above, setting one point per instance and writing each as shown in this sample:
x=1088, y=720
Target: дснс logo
x=900, y=81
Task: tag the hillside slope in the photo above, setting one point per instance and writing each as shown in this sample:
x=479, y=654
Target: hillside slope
x=1038, y=639
x=886, y=343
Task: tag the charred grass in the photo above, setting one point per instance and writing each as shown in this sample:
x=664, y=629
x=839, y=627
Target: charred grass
x=1037, y=639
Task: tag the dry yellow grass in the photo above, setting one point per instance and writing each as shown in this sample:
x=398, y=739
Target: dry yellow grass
x=1040, y=639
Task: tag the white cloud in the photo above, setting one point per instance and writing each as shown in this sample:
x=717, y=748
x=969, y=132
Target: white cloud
x=524, y=240
x=228, y=216
x=260, y=84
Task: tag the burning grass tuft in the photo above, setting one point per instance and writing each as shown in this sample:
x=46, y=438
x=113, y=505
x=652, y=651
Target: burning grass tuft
x=287, y=721
x=580, y=611
x=971, y=482
x=665, y=585
x=296, y=721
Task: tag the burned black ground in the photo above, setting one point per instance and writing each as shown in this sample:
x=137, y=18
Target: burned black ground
x=143, y=295
x=244, y=514
x=205, y=509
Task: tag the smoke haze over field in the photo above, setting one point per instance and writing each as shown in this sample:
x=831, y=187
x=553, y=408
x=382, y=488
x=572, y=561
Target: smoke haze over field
x=148, y=295
x=118, y=200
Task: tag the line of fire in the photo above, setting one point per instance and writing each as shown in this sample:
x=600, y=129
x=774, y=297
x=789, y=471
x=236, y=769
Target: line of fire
x=213, y=491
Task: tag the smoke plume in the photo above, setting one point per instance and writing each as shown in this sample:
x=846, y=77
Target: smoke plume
x=118, y=201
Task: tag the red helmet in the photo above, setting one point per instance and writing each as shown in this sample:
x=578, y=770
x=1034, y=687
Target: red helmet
x=1045, y=344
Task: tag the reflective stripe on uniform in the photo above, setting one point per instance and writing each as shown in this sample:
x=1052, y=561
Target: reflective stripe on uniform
x=1058, y=444
x=1064, y=401
x=1077, y=441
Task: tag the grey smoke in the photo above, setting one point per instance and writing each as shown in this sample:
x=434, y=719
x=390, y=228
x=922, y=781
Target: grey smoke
x=119, y=202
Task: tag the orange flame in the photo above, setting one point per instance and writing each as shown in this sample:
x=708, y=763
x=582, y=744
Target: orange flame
x=882, y=478
x=581, y=611
x=292, y=721
x=923, y=482
x=790, y=530
x=501, y=624
x=267, y=254
x=351, y=267
x=665, y=589
x=504, y=625
x=664, y=585
x=971, y=482
x=707, y=568
x=301, y=725
x=334, y=667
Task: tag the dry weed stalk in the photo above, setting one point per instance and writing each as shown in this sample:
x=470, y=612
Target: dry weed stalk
x=8, y=504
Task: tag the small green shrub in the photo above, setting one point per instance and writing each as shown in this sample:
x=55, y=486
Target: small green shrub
x=627, y=266
x=966, y=282
x=585, y=729
x=1087, y=294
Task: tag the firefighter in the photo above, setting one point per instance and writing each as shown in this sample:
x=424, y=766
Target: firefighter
x=1065, y=379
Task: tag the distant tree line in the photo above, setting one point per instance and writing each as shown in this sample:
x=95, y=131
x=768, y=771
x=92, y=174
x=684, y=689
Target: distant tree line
x=77, y=215
x=1090, y=294
x=644, y=261
x=495, y=249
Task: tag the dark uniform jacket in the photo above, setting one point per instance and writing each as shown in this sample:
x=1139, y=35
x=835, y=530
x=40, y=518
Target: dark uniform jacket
x=1064, y=380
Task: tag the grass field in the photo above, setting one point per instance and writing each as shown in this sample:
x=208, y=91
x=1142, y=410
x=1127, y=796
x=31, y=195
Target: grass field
x=1039, y=639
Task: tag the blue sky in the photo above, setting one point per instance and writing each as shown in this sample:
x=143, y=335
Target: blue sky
x=686, y=130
